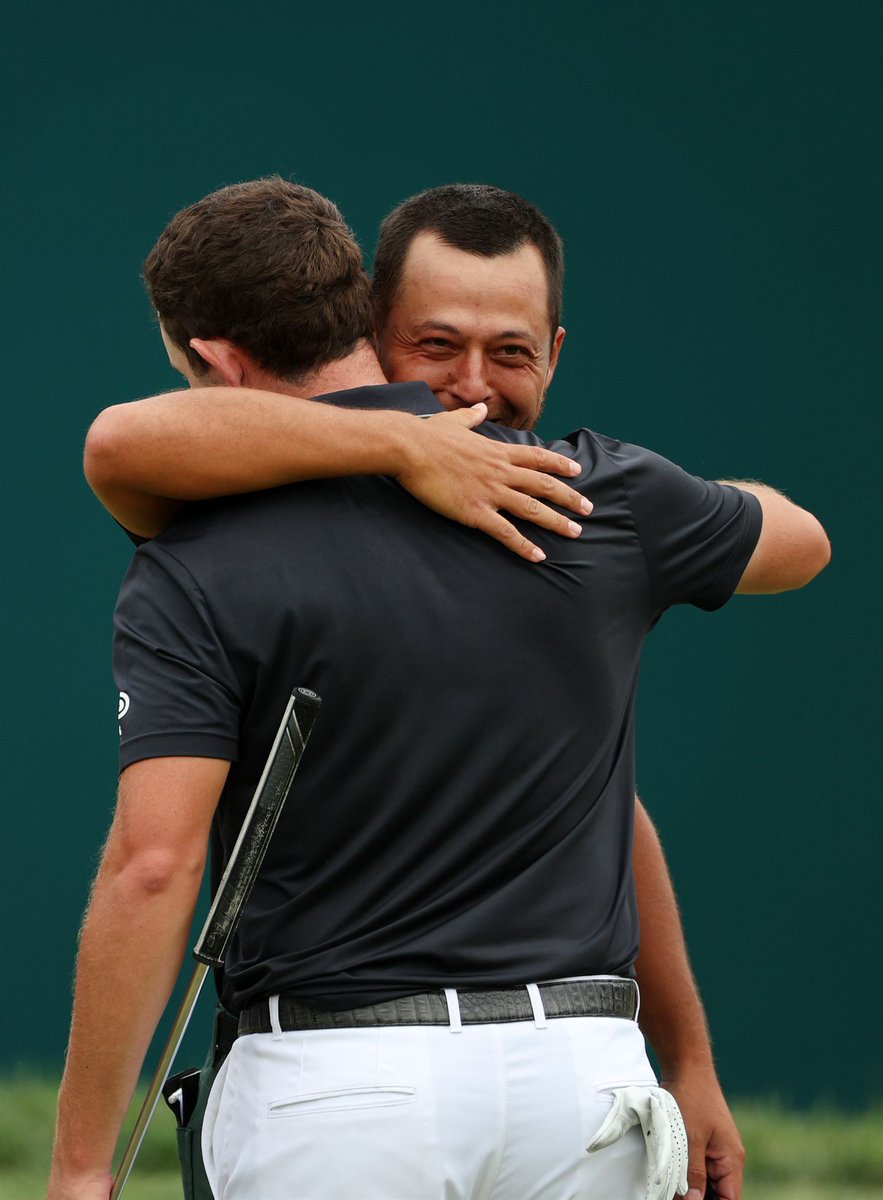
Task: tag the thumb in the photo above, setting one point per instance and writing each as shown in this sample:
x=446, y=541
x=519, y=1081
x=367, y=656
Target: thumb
x=471, y=416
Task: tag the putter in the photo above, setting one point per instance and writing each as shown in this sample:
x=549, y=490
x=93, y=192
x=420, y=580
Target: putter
x=232, y=894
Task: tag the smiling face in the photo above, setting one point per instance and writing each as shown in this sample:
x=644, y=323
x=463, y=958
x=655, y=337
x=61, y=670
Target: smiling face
x=473, y=328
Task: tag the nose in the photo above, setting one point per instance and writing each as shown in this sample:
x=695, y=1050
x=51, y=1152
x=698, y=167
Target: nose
x=470, y=384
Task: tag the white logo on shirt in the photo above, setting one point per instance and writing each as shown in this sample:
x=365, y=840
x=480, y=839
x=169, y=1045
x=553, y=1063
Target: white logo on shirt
x=123, y=708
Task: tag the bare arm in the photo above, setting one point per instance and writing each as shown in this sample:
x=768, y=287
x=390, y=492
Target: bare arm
x=793, y=547
x=144, y=459
x=673, y=1020
x=131, y=948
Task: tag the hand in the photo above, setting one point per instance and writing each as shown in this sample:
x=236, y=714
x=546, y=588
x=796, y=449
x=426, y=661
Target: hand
x=470, y=479
x=716, y=1150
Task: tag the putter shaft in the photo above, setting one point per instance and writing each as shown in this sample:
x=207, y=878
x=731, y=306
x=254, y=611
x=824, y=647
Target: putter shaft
x=176, y=1035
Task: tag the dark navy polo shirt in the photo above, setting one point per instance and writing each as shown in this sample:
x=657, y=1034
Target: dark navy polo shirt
x=463, y=814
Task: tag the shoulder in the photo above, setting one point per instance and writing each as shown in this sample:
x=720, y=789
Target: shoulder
x=584, y=443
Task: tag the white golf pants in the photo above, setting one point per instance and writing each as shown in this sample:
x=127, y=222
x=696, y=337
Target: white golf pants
x=489, y=1112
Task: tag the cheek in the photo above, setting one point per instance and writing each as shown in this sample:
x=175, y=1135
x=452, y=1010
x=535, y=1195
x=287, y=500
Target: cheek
x=404, y=367
x=523, y=387
x=522, y=393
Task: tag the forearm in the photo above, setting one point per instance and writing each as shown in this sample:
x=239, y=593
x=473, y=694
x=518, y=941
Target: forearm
x=131, y=948
x=673, y=1021
x=672, y=1017
x=218, y=441
x=145, y=459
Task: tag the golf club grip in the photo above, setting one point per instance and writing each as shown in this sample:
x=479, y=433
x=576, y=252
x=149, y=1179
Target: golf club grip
x=257, y=828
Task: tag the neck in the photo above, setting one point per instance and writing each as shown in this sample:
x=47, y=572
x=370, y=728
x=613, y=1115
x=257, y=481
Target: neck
x=359, y=369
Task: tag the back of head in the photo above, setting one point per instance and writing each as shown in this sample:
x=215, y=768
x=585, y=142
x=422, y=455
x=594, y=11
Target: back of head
x=270, y=266
x=474, y=217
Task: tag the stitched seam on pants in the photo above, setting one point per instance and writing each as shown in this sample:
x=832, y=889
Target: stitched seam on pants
x=643, y=1081
x=223, y=1167
x=503, y=1098
x=381, y=1096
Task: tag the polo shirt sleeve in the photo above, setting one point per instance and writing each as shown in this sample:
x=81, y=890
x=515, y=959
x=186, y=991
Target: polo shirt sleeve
x=696, y=535
x=179, y=695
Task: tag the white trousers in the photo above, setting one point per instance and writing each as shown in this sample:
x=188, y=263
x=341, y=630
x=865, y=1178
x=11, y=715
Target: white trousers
x=493, y=1112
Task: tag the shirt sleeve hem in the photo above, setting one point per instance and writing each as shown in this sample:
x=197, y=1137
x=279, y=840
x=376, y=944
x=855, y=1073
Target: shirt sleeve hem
x=178, y=745
x=728, y=578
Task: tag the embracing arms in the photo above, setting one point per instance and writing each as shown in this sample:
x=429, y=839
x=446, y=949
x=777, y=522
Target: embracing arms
x=144, y=459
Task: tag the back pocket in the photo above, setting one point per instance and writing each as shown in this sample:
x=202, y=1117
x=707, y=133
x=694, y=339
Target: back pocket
x=341, y=1100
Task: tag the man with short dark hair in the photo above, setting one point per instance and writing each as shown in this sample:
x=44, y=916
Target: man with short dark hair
x=478, y=219
x=503, y=358
x=215, y=666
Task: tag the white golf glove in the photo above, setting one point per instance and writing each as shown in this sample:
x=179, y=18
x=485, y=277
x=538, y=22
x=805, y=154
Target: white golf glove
x=657, y=1113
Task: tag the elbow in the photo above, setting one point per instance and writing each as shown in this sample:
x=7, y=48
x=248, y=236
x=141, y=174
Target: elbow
x=816, y=553
x=823, y=554
x=161, y=871
x=789, y=559
x=104, y=450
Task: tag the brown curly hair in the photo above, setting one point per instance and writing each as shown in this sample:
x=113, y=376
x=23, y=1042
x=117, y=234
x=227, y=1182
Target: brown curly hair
x=269, y=265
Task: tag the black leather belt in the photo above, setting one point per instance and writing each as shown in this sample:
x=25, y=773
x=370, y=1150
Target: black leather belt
x=487, y=1006
x=226, y=1032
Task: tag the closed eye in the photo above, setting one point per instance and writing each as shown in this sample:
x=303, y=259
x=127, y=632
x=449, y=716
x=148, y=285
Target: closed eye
x=437, y=347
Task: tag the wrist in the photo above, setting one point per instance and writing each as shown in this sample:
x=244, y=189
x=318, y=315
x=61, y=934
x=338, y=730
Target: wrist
x=688, y=1069
x=686, y=1055
x=68, y=1180
x=367, y=443
x=406, y=445
x=81, y=1152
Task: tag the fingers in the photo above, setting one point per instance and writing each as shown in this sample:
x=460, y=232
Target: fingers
x=537, y=458
x=474, y=480
x=727, y=1187
x=533, y=458
x=501, y=530
x=517, y=500
x=530, y=467
x=546, y=487
x=696, y=1169
x=728, y=1177
x=530, y=509
x=725, y=1161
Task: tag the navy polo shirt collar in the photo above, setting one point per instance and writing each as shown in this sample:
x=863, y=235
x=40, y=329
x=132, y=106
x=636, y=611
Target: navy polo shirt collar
x=414, y=398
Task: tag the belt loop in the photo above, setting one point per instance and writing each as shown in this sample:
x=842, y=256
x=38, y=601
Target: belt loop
x=536, y=1004
x=637, y=1000
x=274, y=1018
x=453, y=1003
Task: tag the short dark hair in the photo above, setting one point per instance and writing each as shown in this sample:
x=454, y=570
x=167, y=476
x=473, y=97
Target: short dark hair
x=474, y=217
x=269, y=265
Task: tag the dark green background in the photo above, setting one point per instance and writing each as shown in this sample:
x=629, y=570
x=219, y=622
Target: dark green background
x=713, y=169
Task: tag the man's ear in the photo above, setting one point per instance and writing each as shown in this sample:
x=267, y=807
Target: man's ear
x=557, y=342
x=226, y=361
